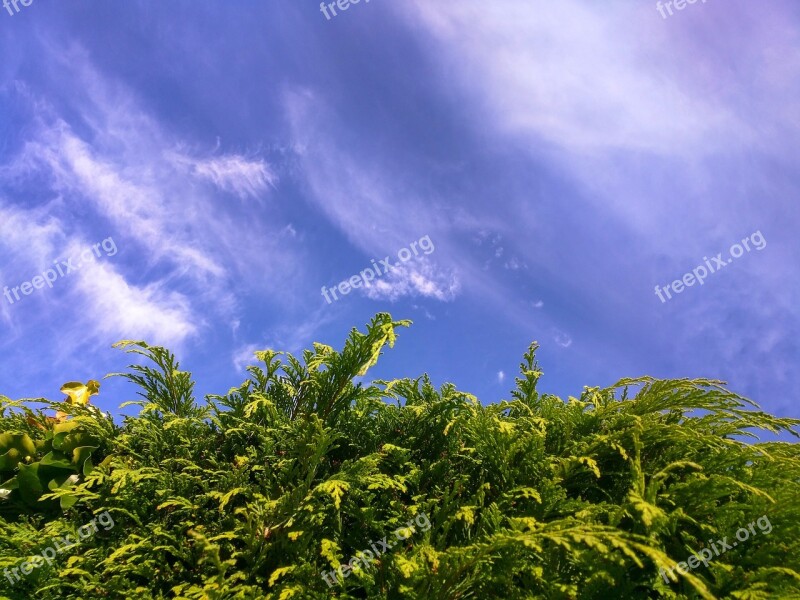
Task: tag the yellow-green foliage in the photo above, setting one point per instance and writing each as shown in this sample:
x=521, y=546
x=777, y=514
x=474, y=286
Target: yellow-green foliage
x=255, y=493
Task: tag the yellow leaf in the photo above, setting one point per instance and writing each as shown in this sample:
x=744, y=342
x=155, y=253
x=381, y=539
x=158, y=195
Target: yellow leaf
x=73, y=560
x=591, y=463
x=527, y=492
x=506, y=427
x=405, y=566
x=330, y=550
x=278, y=573
x=289, y=592
x=466, y=514
x=80, y=393
x=650, y=513
x=405, y=532
x=336, y=488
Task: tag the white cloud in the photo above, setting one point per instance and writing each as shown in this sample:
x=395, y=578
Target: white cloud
x=361, y=195
x=425, y=311
x=669, y=143
x=31, y=237
x=414, y=279
x=123, y=192
x=515, y=264
x=501, y=376
x=105, y=171
x=243, y=356
x=116, y=309
x=234, y=174
x=562, y=339
x=29, y=242
x=570, y=73
x=357, y=196
x=646, y=118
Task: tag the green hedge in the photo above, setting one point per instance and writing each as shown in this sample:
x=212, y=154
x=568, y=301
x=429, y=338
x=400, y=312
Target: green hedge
x=262, y=491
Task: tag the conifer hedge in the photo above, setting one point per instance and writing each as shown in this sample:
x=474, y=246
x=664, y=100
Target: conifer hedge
x=259, y=492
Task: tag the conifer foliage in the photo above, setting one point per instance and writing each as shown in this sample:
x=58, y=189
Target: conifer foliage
x=258, y=492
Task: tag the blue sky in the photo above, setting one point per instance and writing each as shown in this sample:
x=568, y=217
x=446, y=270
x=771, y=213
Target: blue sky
x=563, y=158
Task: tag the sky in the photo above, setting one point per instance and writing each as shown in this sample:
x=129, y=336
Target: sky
x=200, y=175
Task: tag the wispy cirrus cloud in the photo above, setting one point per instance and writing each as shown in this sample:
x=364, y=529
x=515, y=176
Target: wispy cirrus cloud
x=116, y=166
x=572, y=74
x=235, y=174
x=115, y=308
x=360, y=196
x=664, y=133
